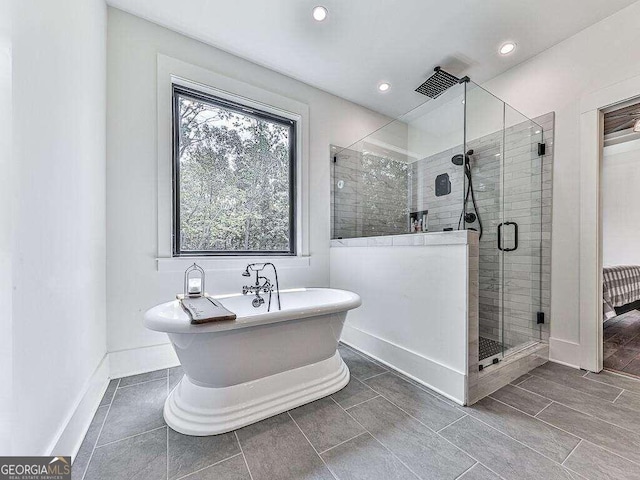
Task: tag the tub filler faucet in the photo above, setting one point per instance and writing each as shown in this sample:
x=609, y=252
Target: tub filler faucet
x=262, y=284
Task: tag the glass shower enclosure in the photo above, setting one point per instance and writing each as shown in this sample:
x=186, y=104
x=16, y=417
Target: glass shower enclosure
x=463, y=161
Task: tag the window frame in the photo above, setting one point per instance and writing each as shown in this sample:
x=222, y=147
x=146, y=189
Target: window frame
x=177, y=91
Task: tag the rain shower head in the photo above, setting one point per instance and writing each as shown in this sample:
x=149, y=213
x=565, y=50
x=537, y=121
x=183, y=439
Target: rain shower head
x=438, y=83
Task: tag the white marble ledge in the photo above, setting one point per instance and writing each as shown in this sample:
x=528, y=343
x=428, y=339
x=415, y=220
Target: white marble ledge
x=456, y=237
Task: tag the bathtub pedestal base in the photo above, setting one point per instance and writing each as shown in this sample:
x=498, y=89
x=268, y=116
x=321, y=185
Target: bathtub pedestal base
x=195, y=410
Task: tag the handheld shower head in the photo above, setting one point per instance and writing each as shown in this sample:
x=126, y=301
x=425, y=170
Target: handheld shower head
x=254, y=267
x=460, y=159
x=468, y=217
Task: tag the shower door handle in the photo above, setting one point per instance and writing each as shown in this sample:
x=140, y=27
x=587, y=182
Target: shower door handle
x=515, y=236
x=515, y=246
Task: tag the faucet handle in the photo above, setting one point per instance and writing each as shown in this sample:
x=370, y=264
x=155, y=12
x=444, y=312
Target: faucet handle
x=245, y=289
x=257, y=301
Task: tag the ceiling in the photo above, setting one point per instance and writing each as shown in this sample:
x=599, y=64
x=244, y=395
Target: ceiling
x=365, y=42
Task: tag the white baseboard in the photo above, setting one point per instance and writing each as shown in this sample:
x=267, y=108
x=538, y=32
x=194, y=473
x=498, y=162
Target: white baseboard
x=117, y=364
x=123, y=363
x=440, y=378
x=70, y=436
x=564, y=352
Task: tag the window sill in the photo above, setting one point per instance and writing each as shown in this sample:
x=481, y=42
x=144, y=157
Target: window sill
x=180, y=264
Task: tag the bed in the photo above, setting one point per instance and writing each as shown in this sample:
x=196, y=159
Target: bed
x=620, y=287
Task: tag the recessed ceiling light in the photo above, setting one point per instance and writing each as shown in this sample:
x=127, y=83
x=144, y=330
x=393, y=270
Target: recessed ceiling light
x=384, y=86
x=320, y=13
x=636, y=127
x=507, y=48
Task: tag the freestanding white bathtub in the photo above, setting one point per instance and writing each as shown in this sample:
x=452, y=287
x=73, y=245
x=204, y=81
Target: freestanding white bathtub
x=261, y=364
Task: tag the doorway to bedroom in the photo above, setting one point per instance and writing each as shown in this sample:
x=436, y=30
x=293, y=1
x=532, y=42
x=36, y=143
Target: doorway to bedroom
x=619, y=186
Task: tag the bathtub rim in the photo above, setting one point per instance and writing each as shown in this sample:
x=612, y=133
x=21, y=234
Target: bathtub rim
x=169, y=317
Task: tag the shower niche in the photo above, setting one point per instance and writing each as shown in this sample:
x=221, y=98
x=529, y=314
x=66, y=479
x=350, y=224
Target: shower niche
x=463, y=161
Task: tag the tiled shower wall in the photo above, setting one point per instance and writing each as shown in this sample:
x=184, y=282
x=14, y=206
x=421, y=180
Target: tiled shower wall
x=525, y=273
x=371, y=196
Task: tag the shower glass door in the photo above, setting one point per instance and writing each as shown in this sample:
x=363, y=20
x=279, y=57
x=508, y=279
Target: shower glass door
x=505, y=200
x=522, y=244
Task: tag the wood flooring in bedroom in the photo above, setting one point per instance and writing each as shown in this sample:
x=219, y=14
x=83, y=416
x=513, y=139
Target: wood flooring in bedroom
x=622, y=343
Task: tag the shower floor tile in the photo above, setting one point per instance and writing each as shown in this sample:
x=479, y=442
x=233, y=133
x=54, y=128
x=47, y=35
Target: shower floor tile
x=489, y=348
x=383, y=427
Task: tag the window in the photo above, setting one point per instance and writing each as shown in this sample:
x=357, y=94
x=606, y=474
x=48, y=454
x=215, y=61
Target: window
x=233, y=178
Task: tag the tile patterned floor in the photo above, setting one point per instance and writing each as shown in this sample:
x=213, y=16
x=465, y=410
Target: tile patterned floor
x=554, y=423
x=622, y=343
x=489, y=348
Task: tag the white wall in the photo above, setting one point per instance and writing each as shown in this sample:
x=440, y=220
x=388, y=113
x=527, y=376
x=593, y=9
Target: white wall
x=620, y=213
x=133, y=282
x=556, y=80
x=59, y=322
x=6, y=195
